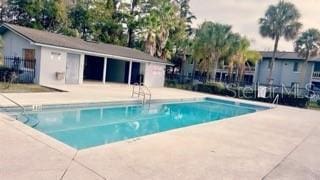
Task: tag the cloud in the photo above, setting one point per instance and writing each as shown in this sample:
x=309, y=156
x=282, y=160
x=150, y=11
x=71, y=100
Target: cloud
x=243, y=15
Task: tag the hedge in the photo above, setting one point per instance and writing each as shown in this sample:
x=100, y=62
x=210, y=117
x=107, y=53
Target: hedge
x=219, y=89
x=240, y=92
x=5, y=72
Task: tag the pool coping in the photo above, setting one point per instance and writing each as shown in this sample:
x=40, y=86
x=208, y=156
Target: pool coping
x=128, y=102
x=70, y=151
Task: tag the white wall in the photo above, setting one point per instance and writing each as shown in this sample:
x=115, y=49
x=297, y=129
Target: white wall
x=81, y=69
x=14, y=44
x=53, y=61
x=154, y=75
x=283, y=73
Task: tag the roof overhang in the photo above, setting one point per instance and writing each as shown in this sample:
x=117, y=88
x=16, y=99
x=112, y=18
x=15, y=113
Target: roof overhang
x=97, y=54
x=4, y=28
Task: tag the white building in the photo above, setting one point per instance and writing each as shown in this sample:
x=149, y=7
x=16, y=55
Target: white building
x=287, y=70
x=61, y=59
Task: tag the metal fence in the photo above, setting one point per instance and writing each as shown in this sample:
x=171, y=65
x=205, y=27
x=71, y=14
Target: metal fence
x=22, y=69
x=312, y=92
x=181, y=79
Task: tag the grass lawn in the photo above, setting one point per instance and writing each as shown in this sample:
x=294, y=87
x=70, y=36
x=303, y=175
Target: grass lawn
x=23, y=88
x=314, y=105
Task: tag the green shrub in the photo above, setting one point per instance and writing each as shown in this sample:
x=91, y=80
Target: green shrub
x=212, y=88
x=175, y=84
x=240, y=92
x=318, y=102
x=5, y=73
x=170, y=83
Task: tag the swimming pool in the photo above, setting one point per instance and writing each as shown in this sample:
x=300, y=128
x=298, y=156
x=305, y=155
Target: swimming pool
x=84, y=127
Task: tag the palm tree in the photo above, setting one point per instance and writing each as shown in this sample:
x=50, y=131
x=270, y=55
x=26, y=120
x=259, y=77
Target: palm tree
x=210, y=45
x=239, y=56
x=158, y=23
x=231, y=56
x=307, y=46
x=281, y=20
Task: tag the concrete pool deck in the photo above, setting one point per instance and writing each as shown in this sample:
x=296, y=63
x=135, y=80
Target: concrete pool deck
x=280, y=143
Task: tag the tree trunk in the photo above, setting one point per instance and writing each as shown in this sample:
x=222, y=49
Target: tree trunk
x=208, y=71
x=130, y=37
x=230, y=72
x=214, y=68
x=215, y=59
x=193, y=70
x=275, y=49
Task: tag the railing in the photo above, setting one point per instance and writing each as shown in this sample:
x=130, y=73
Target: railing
x=246, y=70
x=316, y=75
x=142, y=91
x=180, y=79
x=23, y=69
x=14, y=102
x=23, y=110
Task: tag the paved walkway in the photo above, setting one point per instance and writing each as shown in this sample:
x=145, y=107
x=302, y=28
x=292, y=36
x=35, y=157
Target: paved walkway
x=91, y=93
x=280, y=143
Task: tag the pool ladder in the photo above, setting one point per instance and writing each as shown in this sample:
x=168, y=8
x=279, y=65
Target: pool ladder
x=21, y=114
x=276, y=99
x=140, y=90
x=23, y=110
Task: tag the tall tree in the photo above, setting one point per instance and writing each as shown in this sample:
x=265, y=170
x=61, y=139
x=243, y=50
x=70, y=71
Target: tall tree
x=281, y=20
x=106, y=22
x=186, y=14
x=210, y=45
x=17, y=12
x=3, y=11
x=132, y=11
x=50, y=15
x=307, y=46
x=231, y=55
x=239, y=56
x=181, y=37
x=158, y=24
x=79, y=17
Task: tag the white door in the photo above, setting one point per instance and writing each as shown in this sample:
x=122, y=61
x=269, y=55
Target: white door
x=73, y=66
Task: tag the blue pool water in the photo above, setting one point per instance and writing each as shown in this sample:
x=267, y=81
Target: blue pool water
x=91, y=126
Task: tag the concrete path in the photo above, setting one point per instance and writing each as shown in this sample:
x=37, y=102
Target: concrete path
x=280, y=143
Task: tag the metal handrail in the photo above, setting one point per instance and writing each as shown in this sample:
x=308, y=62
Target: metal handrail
x=136, y=92
x=276, y=100
x=148, y=93
x=142, y=91
x=14, y=102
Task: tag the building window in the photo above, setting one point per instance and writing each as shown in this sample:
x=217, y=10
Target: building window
x=29, y=58
x=296, y=67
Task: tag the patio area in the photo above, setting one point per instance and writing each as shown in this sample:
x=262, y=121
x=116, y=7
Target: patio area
x=279, y=143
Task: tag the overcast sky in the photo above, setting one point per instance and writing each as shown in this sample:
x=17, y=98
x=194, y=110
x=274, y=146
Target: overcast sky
x=243, y=15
